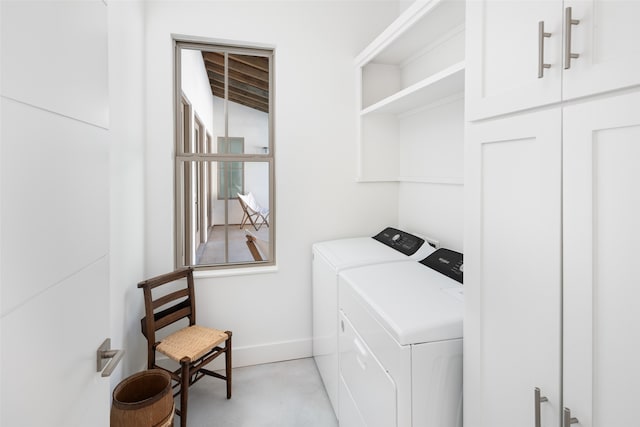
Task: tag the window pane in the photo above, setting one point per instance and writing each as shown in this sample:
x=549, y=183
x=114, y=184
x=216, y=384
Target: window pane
x=248, y=107
x=223, y=121
x=231, y=176
x=238, y=230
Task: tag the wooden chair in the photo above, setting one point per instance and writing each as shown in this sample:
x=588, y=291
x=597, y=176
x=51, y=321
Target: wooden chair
x=253, y=248
x=193, y=346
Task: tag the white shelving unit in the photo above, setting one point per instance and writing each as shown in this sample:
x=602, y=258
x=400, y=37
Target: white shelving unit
x=415, y=65
x=424, y=92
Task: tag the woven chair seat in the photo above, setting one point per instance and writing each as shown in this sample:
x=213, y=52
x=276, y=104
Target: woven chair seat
x=192, y=342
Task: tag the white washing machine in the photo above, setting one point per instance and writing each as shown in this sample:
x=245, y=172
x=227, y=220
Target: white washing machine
x=400, y=344
x=329, y=259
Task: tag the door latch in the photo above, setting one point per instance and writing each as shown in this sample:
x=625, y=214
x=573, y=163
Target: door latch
x=107, y=359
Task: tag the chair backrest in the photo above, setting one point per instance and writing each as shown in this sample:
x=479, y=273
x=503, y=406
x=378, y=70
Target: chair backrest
x=243, y=203
x=249, y=201
x=168, y=308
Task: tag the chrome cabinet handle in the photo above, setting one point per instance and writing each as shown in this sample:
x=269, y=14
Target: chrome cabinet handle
x=567, y=419
x=541, y=37
x=568, y=22
x=537, y=400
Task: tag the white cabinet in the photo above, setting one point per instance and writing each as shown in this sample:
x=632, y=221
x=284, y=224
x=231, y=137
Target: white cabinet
x=606, y=40
x=550, y=285
x=502, y=55
x=551, y=226
x=512, y=270
x=506, y=46
x=601, y=239
x=415, y=65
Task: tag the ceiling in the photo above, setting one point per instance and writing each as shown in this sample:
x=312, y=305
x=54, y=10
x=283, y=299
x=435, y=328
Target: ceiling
x=248, y=79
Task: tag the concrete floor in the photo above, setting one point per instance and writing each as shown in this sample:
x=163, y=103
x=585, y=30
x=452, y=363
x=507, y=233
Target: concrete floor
x=283, y=394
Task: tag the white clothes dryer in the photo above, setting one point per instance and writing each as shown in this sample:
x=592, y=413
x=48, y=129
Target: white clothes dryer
x=400, y=344
x=329, y=259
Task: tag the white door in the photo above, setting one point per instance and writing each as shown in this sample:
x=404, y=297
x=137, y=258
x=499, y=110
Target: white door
x=55, y=213
x=502, y=56
x=601, y=250
x=606, y=40
x=512, y=270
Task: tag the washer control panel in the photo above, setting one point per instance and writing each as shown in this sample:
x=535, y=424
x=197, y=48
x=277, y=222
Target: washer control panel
x=447, y=262
x=399, y=240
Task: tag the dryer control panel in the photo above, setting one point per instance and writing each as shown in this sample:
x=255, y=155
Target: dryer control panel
x=399, y=240
x=447, y=262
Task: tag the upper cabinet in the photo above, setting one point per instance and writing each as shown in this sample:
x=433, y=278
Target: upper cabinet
x=544, y=52
x=504, y=46
x=605, y=35
x=417, y=63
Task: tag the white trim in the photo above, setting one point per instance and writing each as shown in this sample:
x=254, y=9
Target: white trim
x=396, y=29
x=453, y=180
x=443, y=180
x=234, y=271
x=267, y=353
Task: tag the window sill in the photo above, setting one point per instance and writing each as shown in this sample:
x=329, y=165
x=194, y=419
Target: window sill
x=244, y=271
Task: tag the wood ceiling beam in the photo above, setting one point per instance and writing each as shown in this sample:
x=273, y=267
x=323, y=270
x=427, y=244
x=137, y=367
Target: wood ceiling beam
x=218, y=59
x=259, y=62
x=235, y=75
x=242, y=101
x=248, y=78
x=251, y=103
x=236, y=94
x=236, y=84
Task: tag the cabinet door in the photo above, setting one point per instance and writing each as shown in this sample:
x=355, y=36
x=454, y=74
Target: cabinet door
x=512, y=270
x=606, y=40
x=601, y=234
x=502, y=56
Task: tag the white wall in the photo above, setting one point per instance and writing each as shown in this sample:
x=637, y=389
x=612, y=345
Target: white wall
x=433, y=146
x=195, y=85
x=317, y=197
x=126, y=174
x=433, y=210
x=247, y=122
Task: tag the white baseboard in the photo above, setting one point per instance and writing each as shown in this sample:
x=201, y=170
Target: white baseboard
x=267, y=353
x=263, y=353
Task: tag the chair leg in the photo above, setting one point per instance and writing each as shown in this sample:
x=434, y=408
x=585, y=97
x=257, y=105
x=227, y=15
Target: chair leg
x=184, y=390
x=227, y=358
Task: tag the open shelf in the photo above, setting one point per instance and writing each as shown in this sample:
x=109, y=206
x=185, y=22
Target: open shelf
x=420, y=25
x=410, y=79
x=438, y=86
